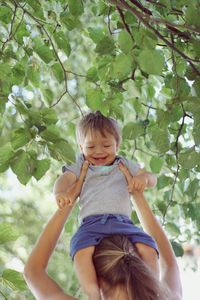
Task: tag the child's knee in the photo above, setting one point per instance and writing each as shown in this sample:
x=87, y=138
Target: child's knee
x=148, y=255
x=84, y=253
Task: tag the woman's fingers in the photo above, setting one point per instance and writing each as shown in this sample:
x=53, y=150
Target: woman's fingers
x=126, y=173
x=83, y=173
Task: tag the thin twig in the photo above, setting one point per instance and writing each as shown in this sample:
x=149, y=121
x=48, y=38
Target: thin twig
x=11, y=28
x=172, y=194
x=149, y=106
x=124, y=22
x=177, y=164
x=59, y=99
x=109, y=27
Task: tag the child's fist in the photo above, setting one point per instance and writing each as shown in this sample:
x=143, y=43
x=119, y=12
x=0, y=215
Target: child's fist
x=62, y=200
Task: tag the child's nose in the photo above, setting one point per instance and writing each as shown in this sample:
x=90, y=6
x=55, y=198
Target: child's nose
x=99, y=149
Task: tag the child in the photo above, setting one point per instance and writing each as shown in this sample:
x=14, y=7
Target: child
x=105, y=206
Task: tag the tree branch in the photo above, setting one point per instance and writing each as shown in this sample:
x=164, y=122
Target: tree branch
x=143, y=19
x=141, y=7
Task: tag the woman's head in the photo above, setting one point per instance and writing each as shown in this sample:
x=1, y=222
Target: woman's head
x=119, y=267
x=99, y=138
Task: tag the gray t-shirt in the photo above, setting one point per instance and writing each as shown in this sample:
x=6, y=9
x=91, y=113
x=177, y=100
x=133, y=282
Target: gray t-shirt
x=104, y=190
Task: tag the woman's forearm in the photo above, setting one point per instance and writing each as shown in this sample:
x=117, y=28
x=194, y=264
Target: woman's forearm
x=46, y=243
x=152, y=226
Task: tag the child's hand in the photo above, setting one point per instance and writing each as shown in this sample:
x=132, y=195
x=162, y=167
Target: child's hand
x=68, y=198
x=138, y=183
x=62, y=200
x=135, y=183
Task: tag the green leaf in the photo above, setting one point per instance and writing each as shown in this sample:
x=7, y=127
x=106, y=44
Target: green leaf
x=33, y=75
x=164, y=181
x=65, y=151
x=94, y=98
x=41, y=167
x=51, y=133
x=92, y=75
x=49, y=116
x=35, y=117
x=4, y=167
x=15, y=278
x=96, y=34
x=58, y=72
x=189, y=159
x=22, y=166
x=104, y=65
x=125, y=41
x=121, y=67
x=2, y=104
x=21, y=33
x=156, y=164
x=8, y=233
x=70, y=21
x=177, y=249
x=105, y=46
x=193, y=188
x=160, y=138
x=145, y=39
x=5, y=14
x=20, y=137
x=76, y=7
x=43, y=51
x=161, y=205
x=192, y=15
x=151, y=61
x=132, y=130
x=6, y=153
x=63, y=42
x=18, y=73
x=196, y=86
x=172, y=228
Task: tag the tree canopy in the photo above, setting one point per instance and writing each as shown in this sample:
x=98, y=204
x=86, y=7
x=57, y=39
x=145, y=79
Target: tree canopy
x=137, y=61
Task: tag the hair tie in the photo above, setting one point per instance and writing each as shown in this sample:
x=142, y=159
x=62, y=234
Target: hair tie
x=127, y=258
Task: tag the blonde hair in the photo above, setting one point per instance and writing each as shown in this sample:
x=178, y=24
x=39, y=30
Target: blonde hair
x=117, y=263
x=96, y=121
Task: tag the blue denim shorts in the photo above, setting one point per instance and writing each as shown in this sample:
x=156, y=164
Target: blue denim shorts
x=94, y=228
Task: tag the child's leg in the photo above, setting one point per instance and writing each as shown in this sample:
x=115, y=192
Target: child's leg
x=149, y=256
x=86, y=272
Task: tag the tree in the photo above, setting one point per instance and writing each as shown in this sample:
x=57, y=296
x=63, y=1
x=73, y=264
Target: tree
x=137, y=61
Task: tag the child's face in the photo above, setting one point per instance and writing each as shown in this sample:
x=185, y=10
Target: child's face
x=99, y=150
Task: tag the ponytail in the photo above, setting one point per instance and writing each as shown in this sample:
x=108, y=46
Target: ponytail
x=117, y=263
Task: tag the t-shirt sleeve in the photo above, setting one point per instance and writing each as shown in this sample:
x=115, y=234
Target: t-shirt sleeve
x=74, y=168
x=133, y=167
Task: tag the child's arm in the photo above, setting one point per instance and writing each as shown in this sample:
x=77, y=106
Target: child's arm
x=169, y=267
x=41, y=285
x=64, y=188
x=143, y=180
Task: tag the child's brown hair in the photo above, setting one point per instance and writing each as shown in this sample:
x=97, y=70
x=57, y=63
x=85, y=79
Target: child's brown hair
x=96, y=121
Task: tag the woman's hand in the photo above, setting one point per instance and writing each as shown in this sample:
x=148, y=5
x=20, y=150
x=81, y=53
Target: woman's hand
x=68, y=198
x=135, y=183
x=139, y=182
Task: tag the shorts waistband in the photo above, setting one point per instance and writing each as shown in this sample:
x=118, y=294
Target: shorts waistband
x=103, y=218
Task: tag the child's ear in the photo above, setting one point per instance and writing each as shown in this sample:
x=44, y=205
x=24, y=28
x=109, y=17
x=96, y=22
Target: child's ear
x=81, y=147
